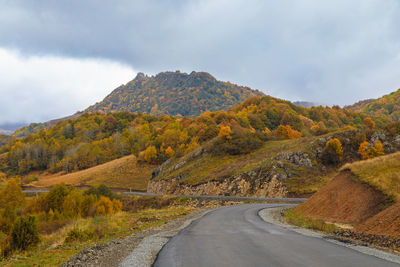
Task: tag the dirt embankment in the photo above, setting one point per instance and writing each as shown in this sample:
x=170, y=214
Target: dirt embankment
x=344, y=200
x=386, y=222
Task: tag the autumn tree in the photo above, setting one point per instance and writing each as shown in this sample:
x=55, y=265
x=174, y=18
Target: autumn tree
x=11, y=195
x=170, y=152
x=367, y=152
x=363, y=150
x=150, y=154
x=369, y=123
x=333, y=152
x=286, y=132
x=225, y=132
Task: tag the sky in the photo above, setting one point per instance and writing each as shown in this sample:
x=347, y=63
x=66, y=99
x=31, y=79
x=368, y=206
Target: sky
x=58, y=57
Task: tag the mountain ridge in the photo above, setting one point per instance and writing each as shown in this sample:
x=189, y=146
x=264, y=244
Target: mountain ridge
x=178, y=94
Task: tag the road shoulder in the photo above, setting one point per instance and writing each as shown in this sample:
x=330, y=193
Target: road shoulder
x=272, y=216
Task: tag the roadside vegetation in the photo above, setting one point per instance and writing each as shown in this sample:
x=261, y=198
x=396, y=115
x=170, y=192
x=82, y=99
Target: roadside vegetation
x=49, y=229
x=296, y=218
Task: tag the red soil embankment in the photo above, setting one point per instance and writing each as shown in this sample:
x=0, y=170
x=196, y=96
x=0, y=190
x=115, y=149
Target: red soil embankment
x=343, y=200
x=386, y=222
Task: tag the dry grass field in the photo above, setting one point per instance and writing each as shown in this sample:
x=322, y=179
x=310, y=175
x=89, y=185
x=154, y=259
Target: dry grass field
x=125, y=172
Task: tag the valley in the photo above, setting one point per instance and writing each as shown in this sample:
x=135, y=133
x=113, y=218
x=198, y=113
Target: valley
x=255, y=149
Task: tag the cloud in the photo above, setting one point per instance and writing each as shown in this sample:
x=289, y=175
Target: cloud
x=334, y=52
x=39, y=88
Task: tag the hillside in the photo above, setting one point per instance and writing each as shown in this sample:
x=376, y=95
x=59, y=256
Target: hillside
x=175, y=94
x=366, y=194
x=96, y=138
x=277, y=168
x=386, y=107
x=120, y=173
x=36, y=127
x=4, y=139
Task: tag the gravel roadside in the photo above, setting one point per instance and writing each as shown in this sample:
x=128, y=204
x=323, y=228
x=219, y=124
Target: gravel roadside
x=139, y=249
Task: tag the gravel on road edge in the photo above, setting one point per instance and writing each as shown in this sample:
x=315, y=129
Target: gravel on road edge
x=273, y=216
x=139, y=249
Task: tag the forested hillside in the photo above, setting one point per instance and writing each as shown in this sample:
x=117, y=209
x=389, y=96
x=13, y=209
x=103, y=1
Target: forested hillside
x=384, y=109
x=176, y=94
x=4, y=139
x=96, y=138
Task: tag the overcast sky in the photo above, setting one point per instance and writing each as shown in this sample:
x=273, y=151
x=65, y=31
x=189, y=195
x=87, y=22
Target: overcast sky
x=58, y=57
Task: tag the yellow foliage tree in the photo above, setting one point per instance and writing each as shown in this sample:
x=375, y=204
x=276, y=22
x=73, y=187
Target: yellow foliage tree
x=11, y=195
x=104, y=206
x=150, y=154
x=333, y=152
x=225, y=132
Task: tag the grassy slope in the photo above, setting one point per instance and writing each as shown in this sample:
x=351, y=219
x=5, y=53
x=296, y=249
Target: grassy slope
x=124, y=172
x=368, y=196
x=382, y=173
x=209, y=167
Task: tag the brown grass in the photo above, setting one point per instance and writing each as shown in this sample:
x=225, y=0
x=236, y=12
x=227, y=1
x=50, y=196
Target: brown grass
x=123, y=173
x=382, y=173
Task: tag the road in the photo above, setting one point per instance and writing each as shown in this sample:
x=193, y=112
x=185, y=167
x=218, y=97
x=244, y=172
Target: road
x=227, y=198
x=237, y=236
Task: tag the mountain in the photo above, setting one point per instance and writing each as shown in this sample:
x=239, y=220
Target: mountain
x=387, y=107
x=176, y=94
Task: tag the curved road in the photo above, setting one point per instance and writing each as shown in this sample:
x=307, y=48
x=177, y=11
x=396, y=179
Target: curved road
x=237, y=236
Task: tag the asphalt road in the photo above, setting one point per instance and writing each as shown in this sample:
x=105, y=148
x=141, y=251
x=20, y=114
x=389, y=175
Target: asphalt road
x=237, y=236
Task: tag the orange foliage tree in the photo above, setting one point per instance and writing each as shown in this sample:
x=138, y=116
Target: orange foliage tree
x=369, y=123
x=286, y=132
x=225, y=132
x=368, y=153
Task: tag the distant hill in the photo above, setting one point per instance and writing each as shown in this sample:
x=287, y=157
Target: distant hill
x=36, y=127
x=386, y=107
x=9, y=128
x=305, y=104
x=4, y=139
x=176, y=94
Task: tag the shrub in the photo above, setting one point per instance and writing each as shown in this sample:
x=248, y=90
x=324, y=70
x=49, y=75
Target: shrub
x=72, y=204
x=7, y=219
x=225, y=132
x=100, y=190
x=55, y=197
x=286, y=132
x=24, y=233
x=333, y=152
x=104, y=207
x=76, y=234
x=88, y=207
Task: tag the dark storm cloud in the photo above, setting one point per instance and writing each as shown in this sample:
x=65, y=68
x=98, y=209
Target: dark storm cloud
x=329, y=52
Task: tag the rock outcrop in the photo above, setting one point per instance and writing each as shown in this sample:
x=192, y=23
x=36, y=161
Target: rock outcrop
x=232, y=187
